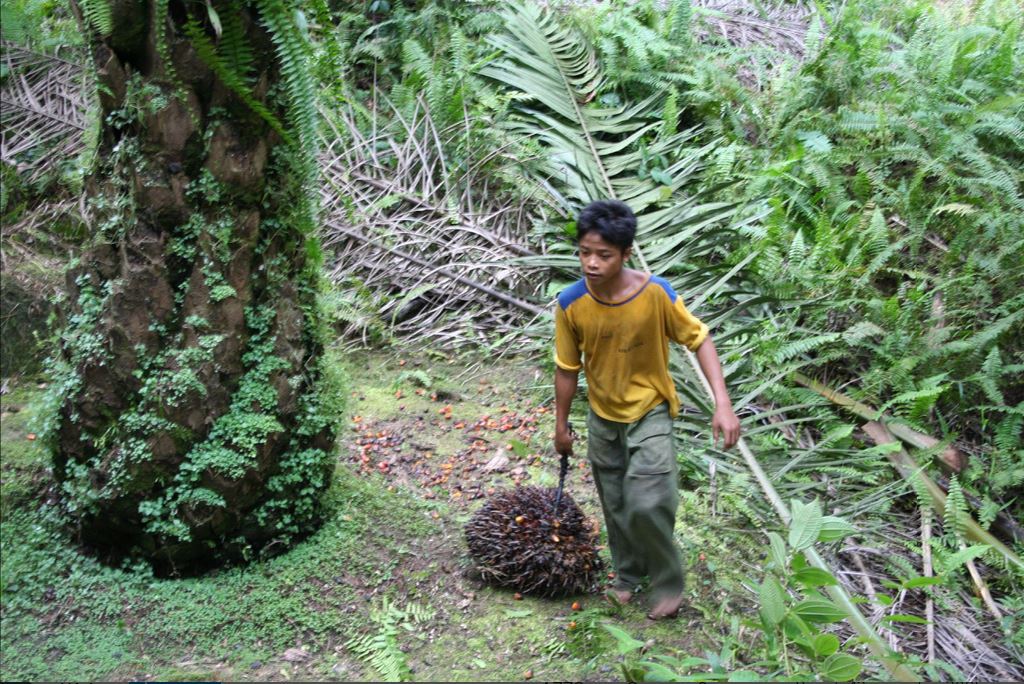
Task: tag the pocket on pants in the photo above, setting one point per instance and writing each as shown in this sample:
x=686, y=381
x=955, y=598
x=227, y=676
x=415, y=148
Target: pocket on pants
x=604, y=444
x=651, y=444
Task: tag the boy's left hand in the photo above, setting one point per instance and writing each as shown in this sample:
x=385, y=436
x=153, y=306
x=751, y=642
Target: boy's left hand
x=726, y=423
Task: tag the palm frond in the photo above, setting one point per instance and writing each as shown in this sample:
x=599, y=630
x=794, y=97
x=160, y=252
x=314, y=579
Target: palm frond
x=43, y=110
x=596, y=151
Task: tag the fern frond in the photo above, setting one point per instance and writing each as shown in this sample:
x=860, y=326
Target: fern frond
x=956, y=514
x=998, y=125
x=883, y=257
x=381, y=649
x=234, y=48
x=680, y=14
x=988, y=378
x=723, y=160
x=208, y=53
x=815, y=141
x=797, y=248
x=1008, y=435
x=803, y=346
x=98, y=14
x=293, y=53
x=670, y=115
x=852, y=121
x=913, y=396
x=415, y=60
x=955, y=208
x=460, y=51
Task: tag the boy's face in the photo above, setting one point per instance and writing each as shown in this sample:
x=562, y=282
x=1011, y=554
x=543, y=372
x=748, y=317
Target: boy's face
x=600, y=260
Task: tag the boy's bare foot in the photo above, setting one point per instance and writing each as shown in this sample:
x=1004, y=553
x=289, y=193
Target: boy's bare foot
x=619, y=597
x=666, y=608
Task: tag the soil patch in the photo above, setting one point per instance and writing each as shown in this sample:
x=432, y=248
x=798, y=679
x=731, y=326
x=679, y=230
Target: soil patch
x=386, y=583
x=455, y=446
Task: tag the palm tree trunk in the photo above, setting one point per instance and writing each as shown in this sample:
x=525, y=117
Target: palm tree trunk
x=190, y=426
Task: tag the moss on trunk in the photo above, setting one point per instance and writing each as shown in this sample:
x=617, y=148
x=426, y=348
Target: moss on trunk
x=193, y=425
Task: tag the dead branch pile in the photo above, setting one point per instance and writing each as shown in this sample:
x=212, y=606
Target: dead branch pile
x=745, y=24
x=33, y=253
x=421, y=243
x=957, y=628
x=43, y=110
x=964, y=634
x=764, y=30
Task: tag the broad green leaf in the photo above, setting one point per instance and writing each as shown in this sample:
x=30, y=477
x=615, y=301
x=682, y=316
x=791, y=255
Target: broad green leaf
x=825, y=645
x=700, y=677
x=805, y=525
x=795, y=627
x=778, y=550
x=624, y=642
x=681, y=663
x=833, y=528
x=815, y=577
x=819, y=610
x=916, y=582
x=509, y=613
x=773, y=600
x=520, y=448
x=900, y=617
x=662, y=177
x=804, y=645
x=840, y=667
x=745, y=676
x=554, y=287
x=214, y=19
x=656, y=672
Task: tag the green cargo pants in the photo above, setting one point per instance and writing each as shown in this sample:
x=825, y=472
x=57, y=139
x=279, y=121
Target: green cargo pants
x=637, y=476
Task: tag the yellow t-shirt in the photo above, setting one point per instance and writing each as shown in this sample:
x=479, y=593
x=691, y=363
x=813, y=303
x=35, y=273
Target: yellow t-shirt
x=622, y=346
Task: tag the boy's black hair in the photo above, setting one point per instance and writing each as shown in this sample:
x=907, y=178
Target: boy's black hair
x=613, y=220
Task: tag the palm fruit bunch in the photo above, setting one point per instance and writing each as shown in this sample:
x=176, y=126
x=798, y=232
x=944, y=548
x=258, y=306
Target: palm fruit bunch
x=518, y=541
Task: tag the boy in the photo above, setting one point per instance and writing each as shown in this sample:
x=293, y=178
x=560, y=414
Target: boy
x=616, y=323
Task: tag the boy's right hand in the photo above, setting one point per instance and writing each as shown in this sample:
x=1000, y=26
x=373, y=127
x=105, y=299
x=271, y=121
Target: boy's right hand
x=563, y=440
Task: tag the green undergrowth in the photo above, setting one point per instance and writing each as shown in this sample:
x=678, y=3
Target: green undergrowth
x=66, y=616
x=379, y=591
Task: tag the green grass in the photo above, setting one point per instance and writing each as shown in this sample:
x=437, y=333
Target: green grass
x=23, y=461
x=66, y=616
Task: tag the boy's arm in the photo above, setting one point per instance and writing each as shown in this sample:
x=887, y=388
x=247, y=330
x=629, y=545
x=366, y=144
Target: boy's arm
x=724, y=421
x=565, y=390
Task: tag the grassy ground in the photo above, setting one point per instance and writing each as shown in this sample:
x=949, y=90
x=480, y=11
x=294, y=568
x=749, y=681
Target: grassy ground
x=383, y=588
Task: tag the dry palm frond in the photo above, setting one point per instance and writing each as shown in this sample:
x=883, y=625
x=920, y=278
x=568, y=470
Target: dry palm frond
x=965, y=637
x=745, y=24
x=32, y=259
x=429, y=245
x=31, y=241
x=886, y=555
x=781, y=26
x=43, y=108
x=767, y=35
x=760, y=34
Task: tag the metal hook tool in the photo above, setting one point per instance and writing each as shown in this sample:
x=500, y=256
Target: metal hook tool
x=563, y=469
